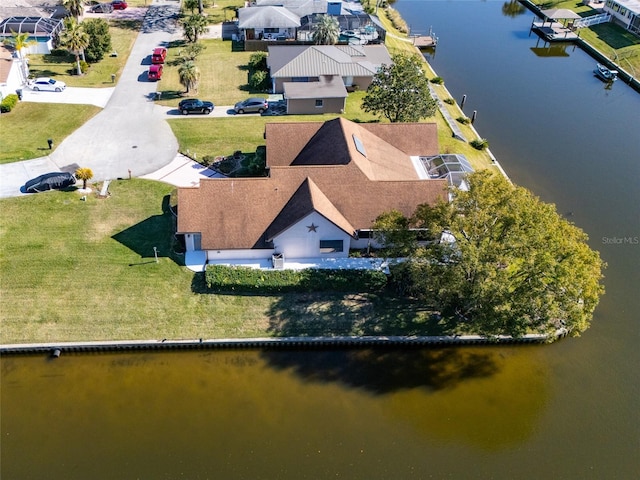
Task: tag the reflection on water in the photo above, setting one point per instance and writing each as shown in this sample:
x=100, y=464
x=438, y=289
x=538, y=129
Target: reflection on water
x=233, y=412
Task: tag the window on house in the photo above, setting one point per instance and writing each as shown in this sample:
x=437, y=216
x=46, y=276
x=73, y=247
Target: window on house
x=331, y=246
x=271, y=30
x=319, y=103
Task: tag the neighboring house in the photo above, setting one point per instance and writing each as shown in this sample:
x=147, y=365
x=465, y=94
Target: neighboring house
x=327, y=184
x=625, y=12
x=267, y=23
x=43, y=31
x=10, y=78
x=355, y=64
x=327, y=95
x=362, y=27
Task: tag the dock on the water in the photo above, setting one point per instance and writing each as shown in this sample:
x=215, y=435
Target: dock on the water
x=554, y=31
x=556, y=25
x=425, y=41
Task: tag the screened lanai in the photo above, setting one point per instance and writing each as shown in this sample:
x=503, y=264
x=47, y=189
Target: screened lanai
x=42, y=30
x=453, y=167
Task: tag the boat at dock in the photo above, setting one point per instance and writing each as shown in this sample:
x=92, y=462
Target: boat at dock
x=605, y=74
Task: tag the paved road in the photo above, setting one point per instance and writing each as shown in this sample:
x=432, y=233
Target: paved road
x=129, y=134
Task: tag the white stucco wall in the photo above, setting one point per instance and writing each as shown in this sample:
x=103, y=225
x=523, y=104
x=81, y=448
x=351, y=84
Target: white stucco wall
x=239, y=254
x=299, y=242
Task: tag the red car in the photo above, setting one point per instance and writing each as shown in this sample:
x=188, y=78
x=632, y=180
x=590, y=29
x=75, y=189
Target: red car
x=119, y=4
x=158, y=55
x=155, y=72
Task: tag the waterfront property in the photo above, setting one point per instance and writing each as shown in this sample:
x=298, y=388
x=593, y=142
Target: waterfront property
x=327, y=184
x=556, y=25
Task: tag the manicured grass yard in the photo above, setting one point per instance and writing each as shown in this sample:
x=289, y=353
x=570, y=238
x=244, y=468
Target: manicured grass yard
x=123, y=35
x=27, y=127
x=74, y=270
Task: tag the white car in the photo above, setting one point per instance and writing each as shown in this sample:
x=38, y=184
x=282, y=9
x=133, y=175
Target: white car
x=47, y=84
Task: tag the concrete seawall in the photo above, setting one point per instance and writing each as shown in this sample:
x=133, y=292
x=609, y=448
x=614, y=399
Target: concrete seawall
x=301, y=343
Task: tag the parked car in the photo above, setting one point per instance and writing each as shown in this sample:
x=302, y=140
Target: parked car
x=252, y=105
x=119, y=4
x=193, y=105
x=50, y=181
x=155, y=72
x=158, y=55
x=47, y=84
x=101, y=8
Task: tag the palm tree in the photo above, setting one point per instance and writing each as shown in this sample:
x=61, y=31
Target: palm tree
x=74, y=6
x=327, y=32
x=20, y=41
x=189, y=75
x=84, y=174
x=193, y=27
x=74, y=39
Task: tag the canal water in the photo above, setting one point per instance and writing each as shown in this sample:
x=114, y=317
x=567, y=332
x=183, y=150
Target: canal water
x=566, y=411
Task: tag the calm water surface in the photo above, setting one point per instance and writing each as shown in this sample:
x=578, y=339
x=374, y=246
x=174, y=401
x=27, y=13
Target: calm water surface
x=566, y=411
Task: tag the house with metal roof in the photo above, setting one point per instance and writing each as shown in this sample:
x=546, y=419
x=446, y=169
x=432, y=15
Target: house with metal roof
x=267, y=23
x=327, y=184
x=42, y=31
x=355, y=64
x=327, y=95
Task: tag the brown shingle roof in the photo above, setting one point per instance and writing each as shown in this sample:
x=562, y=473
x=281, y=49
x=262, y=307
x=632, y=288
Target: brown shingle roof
x=247, y=213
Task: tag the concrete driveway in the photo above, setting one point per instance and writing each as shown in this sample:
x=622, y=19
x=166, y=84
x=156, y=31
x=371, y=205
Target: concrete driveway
x=127, y=137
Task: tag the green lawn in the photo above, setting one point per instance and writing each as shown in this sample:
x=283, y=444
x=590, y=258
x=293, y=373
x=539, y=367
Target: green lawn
x=123, y=36
x=27, y=127
x=86, y=271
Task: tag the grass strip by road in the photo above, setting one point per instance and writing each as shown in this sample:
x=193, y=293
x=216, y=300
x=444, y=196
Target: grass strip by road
x=77, y=270
x=27, y=127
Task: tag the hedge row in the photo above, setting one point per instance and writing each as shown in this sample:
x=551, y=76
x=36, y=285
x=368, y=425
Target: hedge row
x=222, y=278
x=8, y=103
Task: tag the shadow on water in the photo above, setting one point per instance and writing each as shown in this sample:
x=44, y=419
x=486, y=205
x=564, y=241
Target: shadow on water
x=385, y=370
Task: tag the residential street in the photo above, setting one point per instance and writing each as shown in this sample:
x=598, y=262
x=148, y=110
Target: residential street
x=130, y=136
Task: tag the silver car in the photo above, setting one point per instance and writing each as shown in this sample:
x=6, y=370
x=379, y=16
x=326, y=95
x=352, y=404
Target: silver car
x=252, y=105
x=47, y=84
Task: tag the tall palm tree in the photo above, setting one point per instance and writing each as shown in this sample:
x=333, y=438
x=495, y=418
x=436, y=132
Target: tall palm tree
x=327, y=32
x=20, y=41
x=193, y=27
x=74, y=39
x=74, y=6
x=189, y=75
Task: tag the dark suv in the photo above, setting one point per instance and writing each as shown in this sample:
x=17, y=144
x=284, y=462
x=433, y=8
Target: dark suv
x=193, y=105
x=252, y=105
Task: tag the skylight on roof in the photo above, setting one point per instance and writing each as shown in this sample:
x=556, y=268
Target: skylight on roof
x=359, y=146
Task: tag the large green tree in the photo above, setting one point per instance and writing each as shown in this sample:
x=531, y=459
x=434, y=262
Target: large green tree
x=189, y=75
x=327, y=31
x=99, y=39
x=502, y=262
x=193, y=27
x=74, y=39
x=400, y=91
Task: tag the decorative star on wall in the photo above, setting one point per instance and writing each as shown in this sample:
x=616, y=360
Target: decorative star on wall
x=312, y=227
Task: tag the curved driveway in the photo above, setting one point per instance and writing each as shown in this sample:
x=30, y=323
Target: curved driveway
x=127, y=137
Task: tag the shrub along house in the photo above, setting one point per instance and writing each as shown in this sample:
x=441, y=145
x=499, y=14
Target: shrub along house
x=327, y=184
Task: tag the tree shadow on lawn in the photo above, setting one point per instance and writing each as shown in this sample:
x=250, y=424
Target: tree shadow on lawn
x=156, y=231
x=126, y=24
x=331, y=314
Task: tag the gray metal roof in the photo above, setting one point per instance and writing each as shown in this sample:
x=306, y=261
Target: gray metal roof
x=329, y=86
x=315, y=60
x=267, y=17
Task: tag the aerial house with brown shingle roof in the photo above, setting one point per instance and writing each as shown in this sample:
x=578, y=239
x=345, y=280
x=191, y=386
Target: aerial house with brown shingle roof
x=327, y=184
